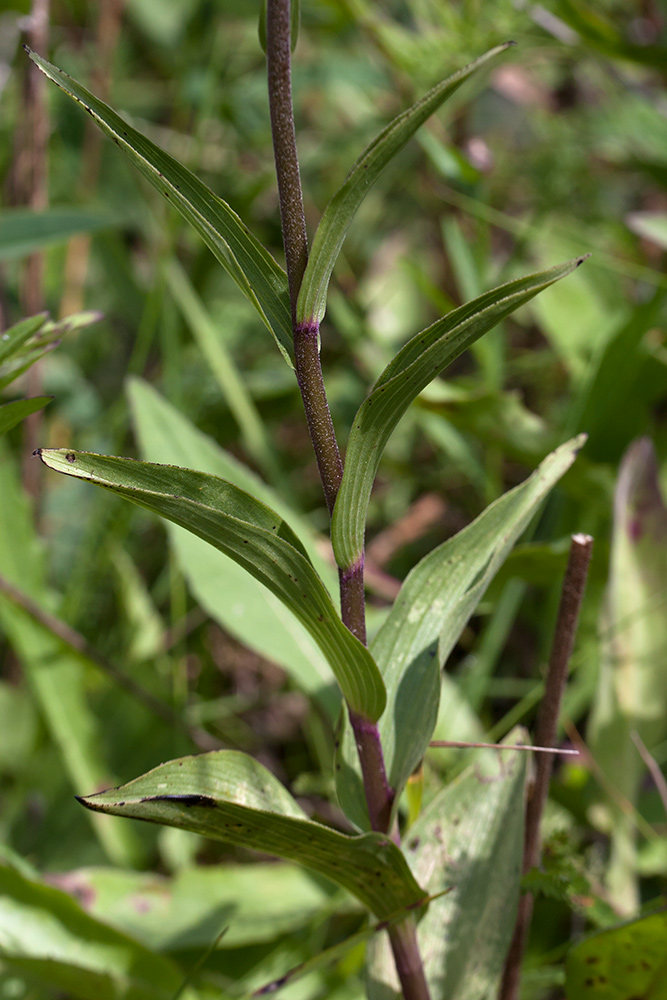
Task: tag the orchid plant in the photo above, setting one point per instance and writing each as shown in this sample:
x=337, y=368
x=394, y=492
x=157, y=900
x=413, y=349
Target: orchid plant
x=444, y=891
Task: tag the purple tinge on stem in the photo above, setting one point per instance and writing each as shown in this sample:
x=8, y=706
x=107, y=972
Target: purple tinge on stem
x=352, y=571
x=308, y=328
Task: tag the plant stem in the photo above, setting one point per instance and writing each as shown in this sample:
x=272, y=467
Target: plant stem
x=279, y=65
x=379, y=795
x=295, y=240
x=316, y=406
x=403, y=938
x=546, y=730
x=310, y=380
x=33, y=171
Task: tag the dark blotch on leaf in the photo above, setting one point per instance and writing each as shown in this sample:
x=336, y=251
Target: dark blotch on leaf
x=185, y=800
x=70, y=457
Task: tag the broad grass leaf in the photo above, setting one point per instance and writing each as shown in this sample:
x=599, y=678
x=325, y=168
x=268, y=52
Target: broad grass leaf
x=55, y=676
x=621, y=963
x=233, y=598
x=251, y=266
x=24, y=231
x=190, y=909
x=632, y=682
x=342, y=208
x=468, y=840
x=228, y=796
x=46, y=937
x=415, y=365
x=433, y=607
x=252, y=534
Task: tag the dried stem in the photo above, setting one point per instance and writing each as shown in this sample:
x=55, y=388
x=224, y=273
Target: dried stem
x=379, y=795
x=574, y=585
x=83, y=649
x=464, y=745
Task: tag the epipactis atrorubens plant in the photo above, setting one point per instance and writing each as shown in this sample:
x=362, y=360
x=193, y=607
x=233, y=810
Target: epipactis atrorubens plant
x=391, y=688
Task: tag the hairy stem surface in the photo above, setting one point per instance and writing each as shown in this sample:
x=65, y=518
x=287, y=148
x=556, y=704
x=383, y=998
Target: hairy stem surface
x=320, y=426
x=292, y=215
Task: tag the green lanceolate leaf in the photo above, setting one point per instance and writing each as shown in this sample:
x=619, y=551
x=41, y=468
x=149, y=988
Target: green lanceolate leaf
x=342, y=208
x=433, y=607
x=251, y=266
x=416, y=364
x=626, y=961
x=232, y=597
x=228, y=796
x=12, y=414
x=470, y=839
x=255, y=537
x=467, y=846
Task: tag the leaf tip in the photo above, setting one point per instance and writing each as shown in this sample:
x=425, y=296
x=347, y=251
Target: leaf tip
x=579, y=442
x=26, y=48
x=579, y=260
x=84, y=800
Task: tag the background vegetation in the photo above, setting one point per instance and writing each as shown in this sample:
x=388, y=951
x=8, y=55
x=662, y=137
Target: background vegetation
x=562, y=150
